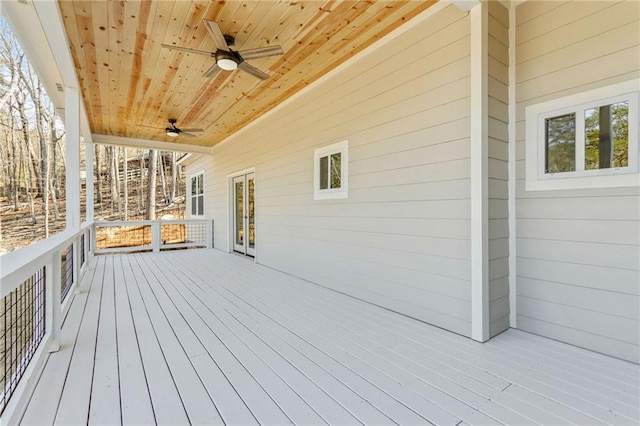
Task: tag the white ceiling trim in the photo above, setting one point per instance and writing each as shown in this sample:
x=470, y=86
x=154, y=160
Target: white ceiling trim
x=150, y=144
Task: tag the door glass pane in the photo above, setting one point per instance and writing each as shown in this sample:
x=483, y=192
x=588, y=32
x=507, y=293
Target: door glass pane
x=606, y=136
x=561, y=144
x=239, y=213
x=251, y=208
x=324, y=172
x=336, y=172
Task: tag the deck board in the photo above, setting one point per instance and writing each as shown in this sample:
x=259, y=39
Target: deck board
x=200, y=336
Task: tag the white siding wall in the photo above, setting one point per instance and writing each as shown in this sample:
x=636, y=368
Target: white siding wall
x=578, y=251
x=498, y=168
x=401, y=239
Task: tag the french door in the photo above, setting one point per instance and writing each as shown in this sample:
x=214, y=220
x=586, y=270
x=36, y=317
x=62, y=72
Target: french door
x=244, y=228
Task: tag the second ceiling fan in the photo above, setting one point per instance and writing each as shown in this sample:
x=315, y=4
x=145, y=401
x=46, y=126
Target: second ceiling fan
x=228, y=59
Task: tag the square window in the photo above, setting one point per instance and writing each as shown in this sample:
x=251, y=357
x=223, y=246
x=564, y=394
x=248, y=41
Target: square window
x=330, y=171
x=586, y=140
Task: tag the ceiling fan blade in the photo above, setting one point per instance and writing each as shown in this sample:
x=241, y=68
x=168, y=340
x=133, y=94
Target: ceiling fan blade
x=244, y=66
x=216, y=35
x=261, y=52
x=186, y=49
x=192, y=130
x=189, y=135
x=213, y=70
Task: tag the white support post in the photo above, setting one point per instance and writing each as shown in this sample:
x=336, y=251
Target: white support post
x=72, y=129
x=156, y=236
x=209, y=234
x=53, y=273
x=76, y=264
x=479, y=16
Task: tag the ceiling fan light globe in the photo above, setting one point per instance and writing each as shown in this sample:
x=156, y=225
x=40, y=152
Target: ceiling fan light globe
x=227, y=64
x=172, y=133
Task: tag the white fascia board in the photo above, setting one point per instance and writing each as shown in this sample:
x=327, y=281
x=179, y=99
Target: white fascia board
x=465, y=5
x=27, y=28
x=150, y=144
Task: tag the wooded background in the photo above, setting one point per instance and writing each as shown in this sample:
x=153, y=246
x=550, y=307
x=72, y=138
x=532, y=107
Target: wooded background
x=127, y=181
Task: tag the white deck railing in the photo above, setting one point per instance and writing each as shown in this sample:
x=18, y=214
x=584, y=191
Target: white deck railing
x=152, y=235
x=33, y=276
x=40, y=265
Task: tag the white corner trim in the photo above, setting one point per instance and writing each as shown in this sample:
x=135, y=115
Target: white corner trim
x=511, y=185
x=150, y=144
x=479, y=174
x=424, y=16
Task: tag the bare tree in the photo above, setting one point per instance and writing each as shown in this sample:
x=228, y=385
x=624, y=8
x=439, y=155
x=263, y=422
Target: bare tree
x=151, y=185
x=125, y=186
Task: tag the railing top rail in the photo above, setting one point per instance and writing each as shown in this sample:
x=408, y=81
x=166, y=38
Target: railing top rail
x=17, y=266
x=148, y=222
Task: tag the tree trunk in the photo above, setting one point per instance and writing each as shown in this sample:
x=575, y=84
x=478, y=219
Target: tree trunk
x=174, y=176
x=47, y=188
x=125, y=185
x=163, y=178
x=141, y=207
x=151, y=185
x=98, y=174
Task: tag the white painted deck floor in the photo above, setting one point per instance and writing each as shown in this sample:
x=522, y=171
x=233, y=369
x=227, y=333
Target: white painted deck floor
x=204, y=337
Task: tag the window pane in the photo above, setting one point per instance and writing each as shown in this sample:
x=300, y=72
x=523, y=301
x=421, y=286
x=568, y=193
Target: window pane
x=324, y=172
x=607, y=136
x=200, y=205
x=194, y=212
x=336, y=172
x=239, y=213
x=561, y=144
x=194, y=183
x=200, y=184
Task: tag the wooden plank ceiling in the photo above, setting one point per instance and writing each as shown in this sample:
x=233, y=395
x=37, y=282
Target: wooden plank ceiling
x=132, y=86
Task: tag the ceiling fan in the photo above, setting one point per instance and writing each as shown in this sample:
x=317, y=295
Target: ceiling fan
x=174, y=131
x=228, y=59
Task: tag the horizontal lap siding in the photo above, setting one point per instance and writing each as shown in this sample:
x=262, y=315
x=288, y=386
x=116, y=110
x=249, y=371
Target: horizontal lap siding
x=498, y=168
x=401, y=239
x=578, y=251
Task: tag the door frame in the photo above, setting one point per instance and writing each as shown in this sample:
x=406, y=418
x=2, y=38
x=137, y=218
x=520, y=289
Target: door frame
x=231, y=207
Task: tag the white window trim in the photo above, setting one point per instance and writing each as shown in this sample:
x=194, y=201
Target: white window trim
x=537, y=179
x=191, y=177
x=332, y=193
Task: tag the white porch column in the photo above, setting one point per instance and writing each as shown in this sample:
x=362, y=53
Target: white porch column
x=479, y=173
x=72, y=128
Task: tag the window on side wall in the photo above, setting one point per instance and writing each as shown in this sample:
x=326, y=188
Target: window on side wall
x=330, y=171
x=587, y=140
x=197, y=195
